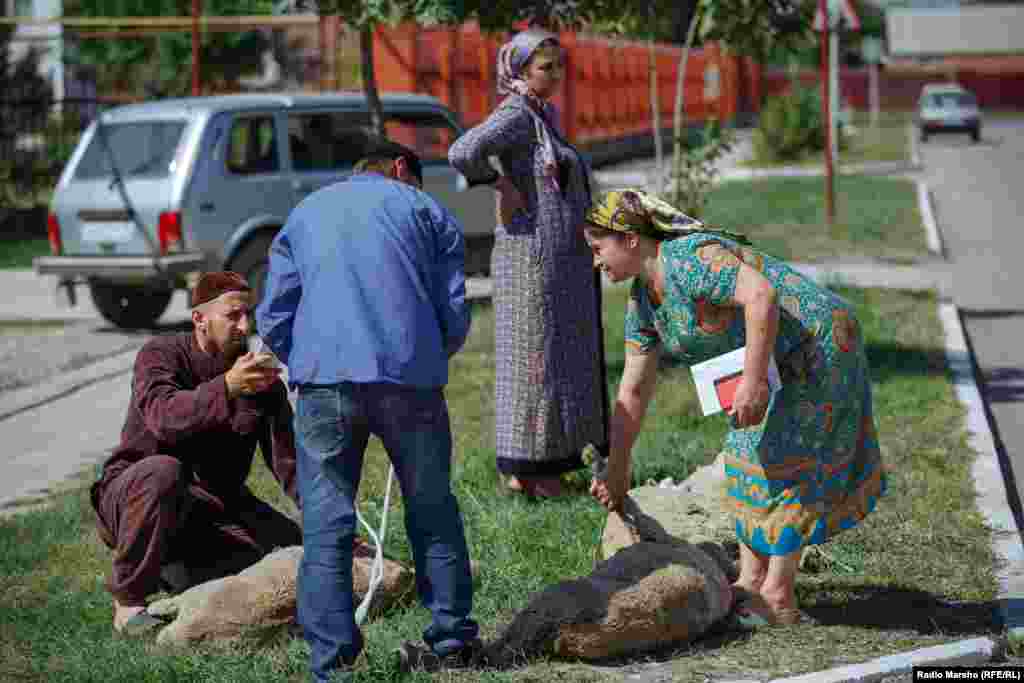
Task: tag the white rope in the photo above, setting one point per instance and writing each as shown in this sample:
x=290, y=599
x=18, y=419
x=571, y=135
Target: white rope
x=257, y=345
x=377, y=568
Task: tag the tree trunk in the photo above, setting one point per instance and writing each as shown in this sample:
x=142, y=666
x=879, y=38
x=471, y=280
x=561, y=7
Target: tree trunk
x=652, y=71
x=370, y=79
x=677, y=122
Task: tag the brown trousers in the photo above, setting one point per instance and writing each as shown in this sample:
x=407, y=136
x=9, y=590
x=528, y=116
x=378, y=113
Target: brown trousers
x=151, y=514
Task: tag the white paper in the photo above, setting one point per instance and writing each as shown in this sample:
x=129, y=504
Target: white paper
x=257, y=345
x=706, y=373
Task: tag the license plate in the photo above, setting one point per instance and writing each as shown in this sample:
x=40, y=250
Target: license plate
x=119, y=232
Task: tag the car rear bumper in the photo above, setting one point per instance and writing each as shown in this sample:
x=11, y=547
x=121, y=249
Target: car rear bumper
x=942, y=127
x=118, y=267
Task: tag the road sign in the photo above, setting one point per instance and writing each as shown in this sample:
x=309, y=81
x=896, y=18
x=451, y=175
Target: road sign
x=840, y=11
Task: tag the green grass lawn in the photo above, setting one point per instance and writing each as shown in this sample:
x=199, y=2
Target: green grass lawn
x=918, y=572
x=19, y=254
x=876, y=217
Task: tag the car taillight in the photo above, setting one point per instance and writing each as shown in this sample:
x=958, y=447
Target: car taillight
x=169, y=231
x=53, y=234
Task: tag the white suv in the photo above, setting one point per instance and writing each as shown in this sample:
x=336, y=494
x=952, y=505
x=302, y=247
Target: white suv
x=948, y=108
x=165, y=190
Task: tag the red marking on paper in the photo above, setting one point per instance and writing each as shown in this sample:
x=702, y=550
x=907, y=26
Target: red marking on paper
x=725, y=388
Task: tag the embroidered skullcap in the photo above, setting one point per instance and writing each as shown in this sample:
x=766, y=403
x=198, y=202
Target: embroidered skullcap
x=212, y=285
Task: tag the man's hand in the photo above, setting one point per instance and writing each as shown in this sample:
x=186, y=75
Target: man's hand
x=510, y=201
x=251, y=374
x=750, y=403
x=611, y=490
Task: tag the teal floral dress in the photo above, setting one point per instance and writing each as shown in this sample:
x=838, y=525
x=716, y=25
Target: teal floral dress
x=813, y=467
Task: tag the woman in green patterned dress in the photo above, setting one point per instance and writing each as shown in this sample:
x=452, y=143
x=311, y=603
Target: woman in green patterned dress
x=802, y=464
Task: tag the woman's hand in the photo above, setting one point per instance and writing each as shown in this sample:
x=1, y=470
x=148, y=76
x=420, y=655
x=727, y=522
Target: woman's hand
x=510, y=201
x=750, y=402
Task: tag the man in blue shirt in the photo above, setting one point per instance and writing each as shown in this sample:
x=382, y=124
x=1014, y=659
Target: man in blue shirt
x=365, y=302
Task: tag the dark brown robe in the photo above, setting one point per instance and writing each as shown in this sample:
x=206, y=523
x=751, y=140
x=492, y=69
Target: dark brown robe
x=174, y=489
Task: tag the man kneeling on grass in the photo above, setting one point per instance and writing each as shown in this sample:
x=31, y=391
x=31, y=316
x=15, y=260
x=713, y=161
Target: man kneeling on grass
x=171, y=501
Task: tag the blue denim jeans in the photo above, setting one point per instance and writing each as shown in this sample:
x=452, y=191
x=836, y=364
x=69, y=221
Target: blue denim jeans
x=332, y=427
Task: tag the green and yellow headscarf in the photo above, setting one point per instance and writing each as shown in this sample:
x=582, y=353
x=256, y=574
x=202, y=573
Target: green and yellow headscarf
x=642, y=213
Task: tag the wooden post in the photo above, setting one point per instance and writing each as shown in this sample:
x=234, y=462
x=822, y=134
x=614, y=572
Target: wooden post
x=830, y=204
x=197, y=9
x=322, y=46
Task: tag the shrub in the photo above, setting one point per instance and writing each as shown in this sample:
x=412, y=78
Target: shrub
x=790, y=126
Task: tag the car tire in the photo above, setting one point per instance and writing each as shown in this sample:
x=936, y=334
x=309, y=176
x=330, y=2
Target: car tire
x=130, y=306
x=924, y=136
x=252, y=263
x=976, y=135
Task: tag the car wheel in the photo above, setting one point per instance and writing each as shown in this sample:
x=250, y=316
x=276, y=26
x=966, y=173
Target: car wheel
x=975, y=135
x=252, y=263
x=130, y=306
x=924, y=136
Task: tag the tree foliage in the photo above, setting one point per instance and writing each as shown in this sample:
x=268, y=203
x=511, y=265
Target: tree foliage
x=25, y=99
x=756, y=28
x=160, y=65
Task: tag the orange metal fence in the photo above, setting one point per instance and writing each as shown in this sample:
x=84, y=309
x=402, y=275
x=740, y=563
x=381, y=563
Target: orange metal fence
x=606, y=92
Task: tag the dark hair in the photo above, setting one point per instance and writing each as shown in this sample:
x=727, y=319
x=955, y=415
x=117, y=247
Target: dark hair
x=377, y=149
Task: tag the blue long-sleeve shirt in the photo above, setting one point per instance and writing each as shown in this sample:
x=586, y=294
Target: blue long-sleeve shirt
x=366, y=283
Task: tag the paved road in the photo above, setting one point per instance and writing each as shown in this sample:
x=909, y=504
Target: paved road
x=978, y=194
x=85, y=364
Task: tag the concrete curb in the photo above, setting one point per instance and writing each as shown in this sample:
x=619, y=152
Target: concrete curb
x=874, y=168
x=987, y=473
x=20, y=400
x=971, y=652
x=924, y=202
x=915, y=150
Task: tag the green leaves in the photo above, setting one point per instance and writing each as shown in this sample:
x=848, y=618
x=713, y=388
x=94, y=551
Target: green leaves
x=756, y=27
x=160, y=63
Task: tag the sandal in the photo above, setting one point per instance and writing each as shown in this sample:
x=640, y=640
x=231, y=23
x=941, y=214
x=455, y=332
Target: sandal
x=753, y=612
x=140, y=624
x=745, y=619
x=545, y=487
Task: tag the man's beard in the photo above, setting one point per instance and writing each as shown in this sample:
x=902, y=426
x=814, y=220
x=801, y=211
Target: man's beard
x=234, y=348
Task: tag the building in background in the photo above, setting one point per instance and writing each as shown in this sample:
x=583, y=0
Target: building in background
x=980, y=46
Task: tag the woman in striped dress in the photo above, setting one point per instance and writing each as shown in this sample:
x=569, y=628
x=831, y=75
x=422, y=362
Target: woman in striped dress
x=549, y=397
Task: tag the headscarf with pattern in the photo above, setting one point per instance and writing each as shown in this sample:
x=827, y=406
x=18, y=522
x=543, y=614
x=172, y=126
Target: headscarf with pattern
x=512, y=58
x=645, y=214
